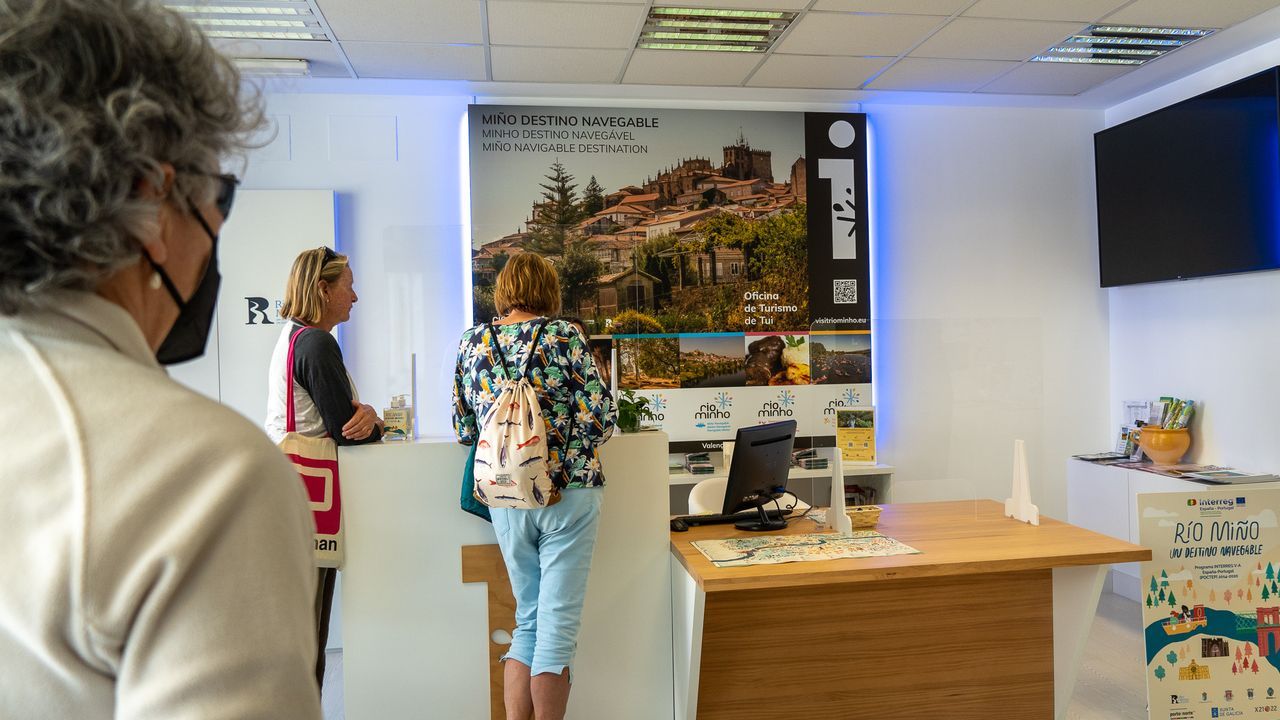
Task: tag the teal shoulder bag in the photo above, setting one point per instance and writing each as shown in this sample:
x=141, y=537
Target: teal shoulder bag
x=468, y=499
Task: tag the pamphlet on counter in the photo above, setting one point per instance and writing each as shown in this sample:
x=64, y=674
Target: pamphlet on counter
x=1185, y=471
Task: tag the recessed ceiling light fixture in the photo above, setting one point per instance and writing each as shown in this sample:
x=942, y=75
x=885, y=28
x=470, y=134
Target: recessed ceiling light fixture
x=271, y=67
x=1120, y=44
x=253, y=19
x=712, y=29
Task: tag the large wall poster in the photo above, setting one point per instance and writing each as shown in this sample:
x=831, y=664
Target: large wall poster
x=1211, y=605
x=725, y=255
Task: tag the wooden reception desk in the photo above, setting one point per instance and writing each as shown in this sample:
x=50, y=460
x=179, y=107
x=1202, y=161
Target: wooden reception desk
x=987, y=622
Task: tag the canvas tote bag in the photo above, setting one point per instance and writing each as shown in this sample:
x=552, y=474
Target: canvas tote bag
x=316, y=460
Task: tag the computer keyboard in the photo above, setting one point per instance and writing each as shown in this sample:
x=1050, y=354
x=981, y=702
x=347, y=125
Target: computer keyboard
x=722, y=519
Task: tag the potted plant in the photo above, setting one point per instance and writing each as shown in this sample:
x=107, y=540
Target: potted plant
x=631, y=410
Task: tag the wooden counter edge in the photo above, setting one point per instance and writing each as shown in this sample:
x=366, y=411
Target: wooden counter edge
x=823, y=575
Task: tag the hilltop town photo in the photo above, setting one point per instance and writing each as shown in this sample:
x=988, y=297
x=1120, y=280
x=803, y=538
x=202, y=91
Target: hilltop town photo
x=674, y=246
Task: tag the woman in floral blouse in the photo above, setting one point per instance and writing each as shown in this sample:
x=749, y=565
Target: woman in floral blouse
x=547, y=550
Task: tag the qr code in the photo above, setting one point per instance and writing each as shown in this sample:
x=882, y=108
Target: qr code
x=846, y=292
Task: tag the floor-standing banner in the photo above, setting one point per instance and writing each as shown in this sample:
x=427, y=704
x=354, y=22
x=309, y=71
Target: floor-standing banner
x=1211, y=605
x=721, y=259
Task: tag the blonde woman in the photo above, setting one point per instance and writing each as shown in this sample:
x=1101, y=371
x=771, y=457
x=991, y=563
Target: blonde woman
x=547, y=550
x=318, y=296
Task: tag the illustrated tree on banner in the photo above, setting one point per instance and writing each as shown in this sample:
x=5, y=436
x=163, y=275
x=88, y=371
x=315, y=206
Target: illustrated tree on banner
x=500, y=261
x=578, y=269
x=592, y=198
x=1160, y=672
x=557, y=215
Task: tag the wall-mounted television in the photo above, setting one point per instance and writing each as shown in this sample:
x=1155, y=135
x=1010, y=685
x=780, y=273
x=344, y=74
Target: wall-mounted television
x=1192, y=189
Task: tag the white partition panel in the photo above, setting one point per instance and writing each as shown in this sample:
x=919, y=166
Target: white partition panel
x=256, y=248
x=416, y=636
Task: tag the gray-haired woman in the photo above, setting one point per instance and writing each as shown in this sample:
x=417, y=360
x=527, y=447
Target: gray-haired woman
x=157, y=546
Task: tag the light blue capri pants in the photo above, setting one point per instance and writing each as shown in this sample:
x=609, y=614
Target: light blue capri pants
x=548, y=554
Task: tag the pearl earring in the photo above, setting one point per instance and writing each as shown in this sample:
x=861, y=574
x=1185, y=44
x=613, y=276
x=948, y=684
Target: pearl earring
x=155, y=281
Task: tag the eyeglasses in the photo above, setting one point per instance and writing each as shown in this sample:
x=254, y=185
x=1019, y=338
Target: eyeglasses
x=226, y=189
x=226, y=194
x=329, y=255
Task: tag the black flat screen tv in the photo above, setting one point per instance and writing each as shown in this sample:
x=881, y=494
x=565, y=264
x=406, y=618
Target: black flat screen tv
x=1192, y=189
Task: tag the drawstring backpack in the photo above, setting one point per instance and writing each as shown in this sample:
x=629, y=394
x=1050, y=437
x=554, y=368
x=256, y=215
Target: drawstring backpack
x=511, y=459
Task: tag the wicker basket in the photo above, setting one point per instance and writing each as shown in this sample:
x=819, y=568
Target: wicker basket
x=863, y=517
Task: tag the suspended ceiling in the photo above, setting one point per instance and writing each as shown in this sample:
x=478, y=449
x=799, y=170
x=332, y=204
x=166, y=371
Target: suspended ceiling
x=869, y=48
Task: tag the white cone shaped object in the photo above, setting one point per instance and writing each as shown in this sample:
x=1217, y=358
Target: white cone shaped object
x=1019, y=506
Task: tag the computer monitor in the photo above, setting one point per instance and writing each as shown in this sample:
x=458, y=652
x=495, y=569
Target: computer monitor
x=758, y=472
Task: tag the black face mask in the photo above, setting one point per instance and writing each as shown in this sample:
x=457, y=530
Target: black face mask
x=190, y=332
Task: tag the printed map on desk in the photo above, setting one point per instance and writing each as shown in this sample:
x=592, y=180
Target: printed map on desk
x=777, y=549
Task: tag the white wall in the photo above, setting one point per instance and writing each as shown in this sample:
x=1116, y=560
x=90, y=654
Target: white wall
x=394, y=163
x=1213, y=340
x=991, y=323
x=991, y=328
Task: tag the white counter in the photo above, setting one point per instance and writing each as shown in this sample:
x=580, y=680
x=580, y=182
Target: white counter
x=416, y=637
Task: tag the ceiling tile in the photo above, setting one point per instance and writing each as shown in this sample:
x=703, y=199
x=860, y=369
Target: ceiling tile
x=940, y=75
x=455, y=21
x=738, y=4
x=1190, y=13
x=674, y=67
x=325, y=59
x=1079, y=10
x=556, y=65
x=811, y=71
x=907, y=7
x=1054, y=78
x=980, y=39
x=417, y=61
x=556, y=24
x=842, y=34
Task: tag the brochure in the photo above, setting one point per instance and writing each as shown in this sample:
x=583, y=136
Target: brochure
x=856, y=435
x=1178, y=471
x=1229, y=476
x=1102, y=456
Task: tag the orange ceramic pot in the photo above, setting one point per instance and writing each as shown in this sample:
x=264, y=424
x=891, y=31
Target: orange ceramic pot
x=1164, y=447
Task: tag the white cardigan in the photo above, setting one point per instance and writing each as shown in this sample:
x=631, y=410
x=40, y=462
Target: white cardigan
x=157, y=547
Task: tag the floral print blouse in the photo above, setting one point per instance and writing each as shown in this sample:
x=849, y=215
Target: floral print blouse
x=576, y=404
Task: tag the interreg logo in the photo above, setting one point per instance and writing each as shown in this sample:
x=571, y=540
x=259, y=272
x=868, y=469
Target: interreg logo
x=261, y=312
x=1216, y=503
